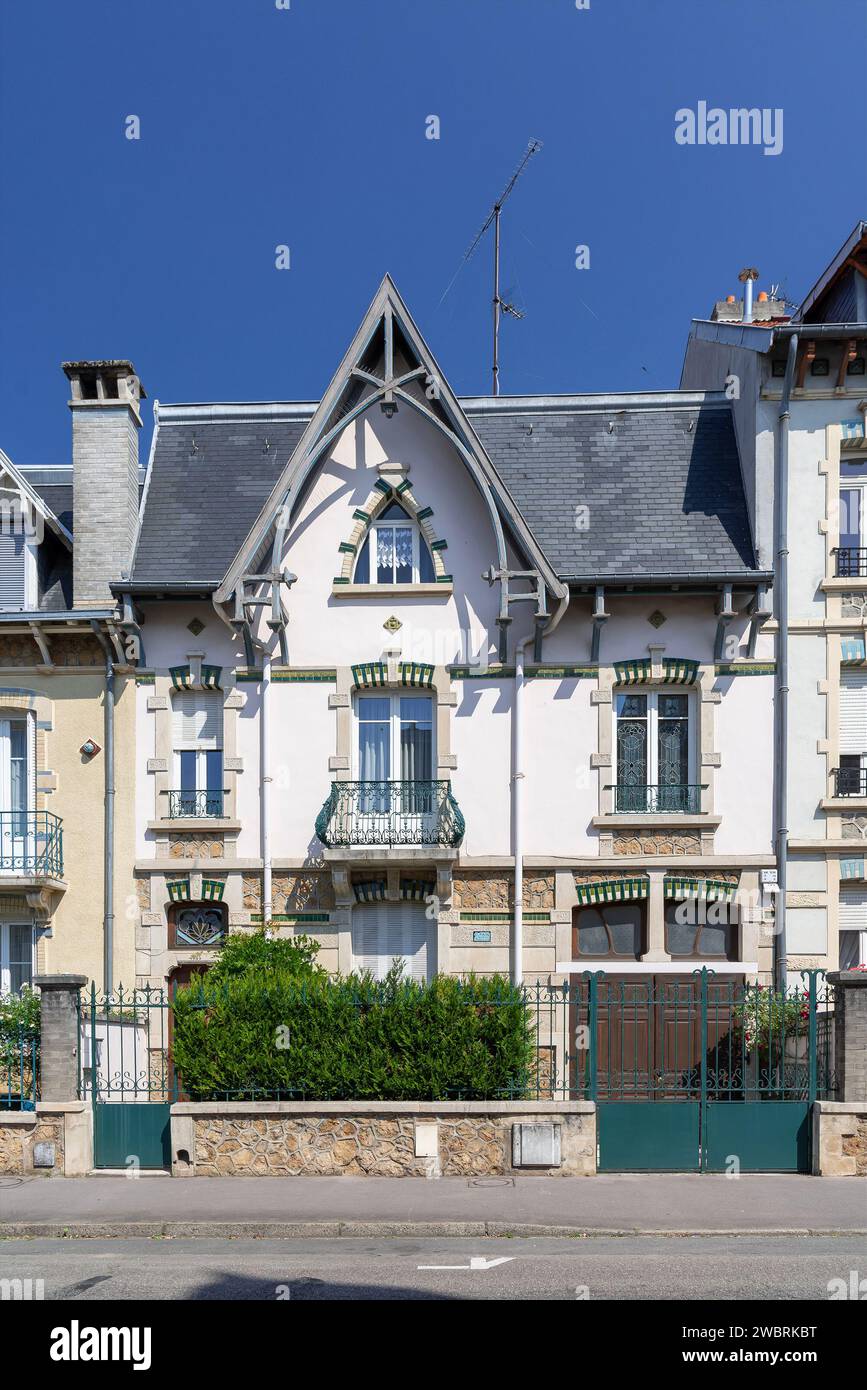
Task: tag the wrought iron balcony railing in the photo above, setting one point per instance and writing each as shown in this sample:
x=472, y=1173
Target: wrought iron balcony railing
x=390, y=813
x=850, y=781
x=851, y=561
x=197, y=804
x=31, y=843
x=684, y=797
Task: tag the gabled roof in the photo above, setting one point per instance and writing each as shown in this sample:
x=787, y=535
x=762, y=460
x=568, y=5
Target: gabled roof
x=387, y=361
x=853, y=253
x=662, y=487
x=38, y=502
x=209, y=474
x=658, y=475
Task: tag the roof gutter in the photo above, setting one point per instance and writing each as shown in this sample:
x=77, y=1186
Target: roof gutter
x=164, y=587
x=746, y=579
x=821, y=330
x=781, y=490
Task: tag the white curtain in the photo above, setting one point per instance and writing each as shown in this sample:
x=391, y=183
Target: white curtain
x=374, y=730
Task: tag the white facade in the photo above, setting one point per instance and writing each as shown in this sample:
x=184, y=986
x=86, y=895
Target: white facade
x=572, y=833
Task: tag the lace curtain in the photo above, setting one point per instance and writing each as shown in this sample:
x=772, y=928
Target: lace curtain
x=393, y=547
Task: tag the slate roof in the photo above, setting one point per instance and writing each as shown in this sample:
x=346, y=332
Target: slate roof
x=199, y=505
x=663, y=489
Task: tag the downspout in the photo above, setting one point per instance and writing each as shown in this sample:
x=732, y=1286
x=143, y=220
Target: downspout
x=265, y=787
x=108, y=857
x=517, y=818
x=251, y=645
x=517, y=792
x=782, y=680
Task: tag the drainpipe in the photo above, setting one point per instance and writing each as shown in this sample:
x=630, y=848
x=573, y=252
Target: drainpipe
x=782, y=682
x=108, y=857
x=517, y=818
x=517, y=792
x=265, y=786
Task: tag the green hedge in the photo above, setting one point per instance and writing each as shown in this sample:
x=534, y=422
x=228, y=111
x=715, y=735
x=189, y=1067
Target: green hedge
x=350, y=1038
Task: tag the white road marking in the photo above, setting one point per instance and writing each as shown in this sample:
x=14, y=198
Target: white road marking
x=476, y=1262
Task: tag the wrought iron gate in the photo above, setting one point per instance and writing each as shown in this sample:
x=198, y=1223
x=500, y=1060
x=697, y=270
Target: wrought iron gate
x=698, y=1073
x=127, y=1074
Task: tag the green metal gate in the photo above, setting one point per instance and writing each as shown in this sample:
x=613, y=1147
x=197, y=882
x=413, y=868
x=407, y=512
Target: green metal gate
x=127, y=1075
x=698, y=1073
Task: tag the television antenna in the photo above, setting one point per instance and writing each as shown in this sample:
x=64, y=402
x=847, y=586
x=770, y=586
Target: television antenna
x=500, y=305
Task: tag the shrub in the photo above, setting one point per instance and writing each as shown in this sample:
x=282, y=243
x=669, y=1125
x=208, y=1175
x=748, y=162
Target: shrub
x=19, y=1024
x=259, y=951
x=253, y=1036
x=764, y=1018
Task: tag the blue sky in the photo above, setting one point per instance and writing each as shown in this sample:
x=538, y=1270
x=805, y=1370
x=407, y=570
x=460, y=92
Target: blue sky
x=306, y=127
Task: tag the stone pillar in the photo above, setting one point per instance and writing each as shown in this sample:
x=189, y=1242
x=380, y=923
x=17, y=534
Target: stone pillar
x=656, y=917
x=850, y=1033
x=60, y=1035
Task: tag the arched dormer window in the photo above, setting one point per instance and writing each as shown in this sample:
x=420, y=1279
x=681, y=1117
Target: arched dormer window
x=394, y=551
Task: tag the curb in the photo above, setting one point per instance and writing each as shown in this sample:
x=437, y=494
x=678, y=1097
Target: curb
x=316, y=1230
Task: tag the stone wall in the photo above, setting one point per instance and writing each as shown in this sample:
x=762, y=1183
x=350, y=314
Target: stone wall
x=20, y=1131
x=840, y=1139
x=657, y=842
x=494, y=892
x=373, y=1138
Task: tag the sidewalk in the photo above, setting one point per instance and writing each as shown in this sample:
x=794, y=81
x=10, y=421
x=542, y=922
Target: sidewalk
x=754, y=1204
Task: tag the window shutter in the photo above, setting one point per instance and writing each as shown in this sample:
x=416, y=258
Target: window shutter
x=853, y=711
x=12, y=571
x=197, y=719
x=853, y=909
x=381, y=931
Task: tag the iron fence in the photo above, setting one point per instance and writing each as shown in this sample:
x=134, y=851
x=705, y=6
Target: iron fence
x=195, y=804
x=701, y=1038
x=31, y=842
x=851, y=561
x=390, y=813
x=19, y=1070
x=675, y=798
x=850, y=781
x=125, y=1046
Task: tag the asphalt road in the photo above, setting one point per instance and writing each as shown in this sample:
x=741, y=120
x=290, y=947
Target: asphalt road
x=599, y=1267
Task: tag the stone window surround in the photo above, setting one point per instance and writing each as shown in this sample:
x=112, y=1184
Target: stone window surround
x=747, y=928
x=392, y=486
x=707, y=756
x=440, y=690
x=161, y=766
x=40, y=709
x=829, y=526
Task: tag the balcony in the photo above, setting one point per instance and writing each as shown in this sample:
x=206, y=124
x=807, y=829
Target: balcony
x=390, y=814
x=678, y=799
x=195, y=805
x=851, y=562
x=31, y=844
x=850, y=781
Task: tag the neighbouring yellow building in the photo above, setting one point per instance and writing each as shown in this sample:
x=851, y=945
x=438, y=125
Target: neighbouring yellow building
x=67, y=698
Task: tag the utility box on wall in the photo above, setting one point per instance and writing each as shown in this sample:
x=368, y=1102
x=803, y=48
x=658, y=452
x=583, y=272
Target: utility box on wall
x=536, y=1146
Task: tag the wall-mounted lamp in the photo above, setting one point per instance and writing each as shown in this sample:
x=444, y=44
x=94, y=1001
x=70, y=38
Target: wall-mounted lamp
x=388, y=408
x=90, y=748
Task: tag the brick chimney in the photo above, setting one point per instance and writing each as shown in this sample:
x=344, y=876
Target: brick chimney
x=105, y=428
